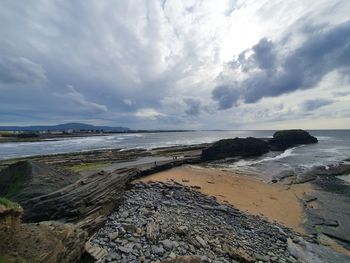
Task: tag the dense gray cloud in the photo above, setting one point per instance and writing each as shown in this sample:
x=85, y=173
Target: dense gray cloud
x=78, y=101
x=263, y=57
x=271, y=71
x=20, y=70
x=314, y=104
x=149, y=64
x=110, y=52
x=226, y=95
x=193, y=107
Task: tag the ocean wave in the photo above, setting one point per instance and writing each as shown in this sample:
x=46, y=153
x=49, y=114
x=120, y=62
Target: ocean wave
x=345, y=178
x=285, y=154
x=242, y=163
x=323, y=138
x=137, y=135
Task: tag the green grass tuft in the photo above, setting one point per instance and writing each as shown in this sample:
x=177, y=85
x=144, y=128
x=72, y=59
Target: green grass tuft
x=10, y=205
x=318, y=229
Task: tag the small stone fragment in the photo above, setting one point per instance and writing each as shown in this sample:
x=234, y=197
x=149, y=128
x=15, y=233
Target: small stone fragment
x=168, y=244
x=152, y=231
x=113, y=236
x=201, y=241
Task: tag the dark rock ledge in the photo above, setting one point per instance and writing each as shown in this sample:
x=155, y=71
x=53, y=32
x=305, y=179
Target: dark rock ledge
x=283, y=140
x=235, y=147
x=247, y=147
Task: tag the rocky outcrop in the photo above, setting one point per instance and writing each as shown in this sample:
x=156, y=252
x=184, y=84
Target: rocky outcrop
x=28, y=179
x=283, y=140
x=235, y=147
x=47, y=193
x=246, y=147
x=86, y=202
x=324, y=174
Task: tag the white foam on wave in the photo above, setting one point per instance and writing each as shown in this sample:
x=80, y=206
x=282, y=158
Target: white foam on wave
x=345, y=178
x=241, y=163
x=137, y=135
x=285, y=154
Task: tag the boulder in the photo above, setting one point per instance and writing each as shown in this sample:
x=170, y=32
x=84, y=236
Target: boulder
x=285, y=139
x=235, y=147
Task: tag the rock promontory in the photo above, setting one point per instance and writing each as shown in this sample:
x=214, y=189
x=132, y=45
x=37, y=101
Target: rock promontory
x=285, y=139
x=247, y=147
x=235, y=147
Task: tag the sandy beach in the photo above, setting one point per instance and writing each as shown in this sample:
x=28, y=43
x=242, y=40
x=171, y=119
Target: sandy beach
x=275, y=202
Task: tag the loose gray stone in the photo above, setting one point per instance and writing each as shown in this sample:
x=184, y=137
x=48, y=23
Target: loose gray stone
x=113, y=236
x=152, y=231
x=168, y=244
x=201, y=241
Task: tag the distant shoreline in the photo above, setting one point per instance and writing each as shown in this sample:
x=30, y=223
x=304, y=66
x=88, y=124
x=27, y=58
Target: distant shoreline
x=52, y=137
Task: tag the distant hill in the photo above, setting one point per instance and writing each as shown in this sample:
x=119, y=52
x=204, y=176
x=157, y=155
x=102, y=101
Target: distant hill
x=64, y=127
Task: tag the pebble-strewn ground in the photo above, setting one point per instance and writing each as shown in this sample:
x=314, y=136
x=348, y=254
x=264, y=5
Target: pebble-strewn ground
x=161, y=221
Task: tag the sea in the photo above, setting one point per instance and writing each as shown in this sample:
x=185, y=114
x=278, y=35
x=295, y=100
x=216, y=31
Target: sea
x=333, y=147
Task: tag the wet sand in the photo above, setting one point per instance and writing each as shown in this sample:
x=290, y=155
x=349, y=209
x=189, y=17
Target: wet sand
x=275, y=202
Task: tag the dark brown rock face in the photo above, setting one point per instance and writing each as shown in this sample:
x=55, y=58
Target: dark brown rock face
x=10, y=218
x=235, y=147
x=28, y=179
x=42, y=242
x=47, y=193
x=283, y=140
x=87, y=201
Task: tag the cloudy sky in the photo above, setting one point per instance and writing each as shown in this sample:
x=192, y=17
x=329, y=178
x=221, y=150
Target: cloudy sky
x=172, y=64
